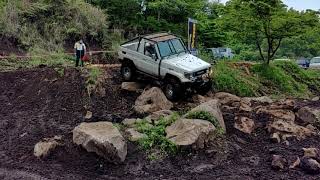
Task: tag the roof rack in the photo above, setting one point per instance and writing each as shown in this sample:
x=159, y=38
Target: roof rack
x=158, y=37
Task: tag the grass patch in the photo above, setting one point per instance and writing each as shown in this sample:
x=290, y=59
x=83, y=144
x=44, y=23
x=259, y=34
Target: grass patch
x=60, y=71
x=53, y=60
x=156, y=136
x=277, y=79
x=310, y=78
x=281, y=81
x=208, y=117
x=92, y=79
x=232, y=80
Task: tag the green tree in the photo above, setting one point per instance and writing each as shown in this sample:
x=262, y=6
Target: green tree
x=265, y=23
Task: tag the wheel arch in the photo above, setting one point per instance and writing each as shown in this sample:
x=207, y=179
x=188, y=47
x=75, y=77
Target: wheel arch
x=170, y=76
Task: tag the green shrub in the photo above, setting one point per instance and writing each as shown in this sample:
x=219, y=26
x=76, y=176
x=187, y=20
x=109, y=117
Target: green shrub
x=156, y=136
x=49, y=24
x=94, y=73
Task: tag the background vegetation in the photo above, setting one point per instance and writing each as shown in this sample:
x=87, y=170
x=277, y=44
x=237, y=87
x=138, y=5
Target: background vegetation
x=256, y=30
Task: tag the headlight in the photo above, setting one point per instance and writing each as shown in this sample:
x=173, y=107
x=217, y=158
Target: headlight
x=188, y=75
x=210, y=71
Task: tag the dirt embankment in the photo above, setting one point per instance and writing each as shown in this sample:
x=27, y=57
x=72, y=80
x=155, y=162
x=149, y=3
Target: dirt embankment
x=40, y=103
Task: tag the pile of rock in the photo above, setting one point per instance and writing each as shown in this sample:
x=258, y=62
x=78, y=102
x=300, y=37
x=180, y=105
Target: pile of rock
x=106, y=140
x=308, y=163
x=184, y=132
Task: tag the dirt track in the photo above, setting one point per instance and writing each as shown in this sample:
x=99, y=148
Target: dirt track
x=38, y=103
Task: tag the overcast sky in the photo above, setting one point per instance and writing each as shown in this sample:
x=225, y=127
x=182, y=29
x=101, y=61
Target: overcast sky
x=301, y=4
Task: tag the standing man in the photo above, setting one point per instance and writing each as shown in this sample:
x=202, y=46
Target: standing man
x=80, y=50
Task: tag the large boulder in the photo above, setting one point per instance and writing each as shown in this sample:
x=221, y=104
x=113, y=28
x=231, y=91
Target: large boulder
x=212, y=107
x=227, y=98
x=43, y=148
x=190, y=132
x=132, y=86
x=102, y=138
x=151, y=101
x=309, y=115
x=244, y=124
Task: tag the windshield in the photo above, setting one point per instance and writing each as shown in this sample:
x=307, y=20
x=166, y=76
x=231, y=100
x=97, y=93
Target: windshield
x=170, y=47
x=315, y=60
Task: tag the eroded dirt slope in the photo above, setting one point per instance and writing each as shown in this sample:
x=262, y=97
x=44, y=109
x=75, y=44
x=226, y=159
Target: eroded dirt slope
x=38, y=103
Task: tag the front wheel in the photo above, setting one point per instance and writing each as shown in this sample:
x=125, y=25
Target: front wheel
x=172, y=89
x=128, y=71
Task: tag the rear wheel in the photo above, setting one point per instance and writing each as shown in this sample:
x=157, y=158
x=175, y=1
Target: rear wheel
x=172, y=89
x=128, y=71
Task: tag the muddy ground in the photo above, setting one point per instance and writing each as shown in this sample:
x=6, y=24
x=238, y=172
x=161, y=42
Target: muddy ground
x=39, y=103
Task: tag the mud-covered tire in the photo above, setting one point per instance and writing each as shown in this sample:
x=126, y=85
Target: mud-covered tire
x=172, y=89
x=128, y=71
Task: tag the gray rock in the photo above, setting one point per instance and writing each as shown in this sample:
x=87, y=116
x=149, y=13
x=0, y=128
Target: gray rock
x=190, y=132
x=227, y=98
x=263, y=99
x=315, y=99
x=244, y=124
x=309, y=115
x=155, y=117
x=102, y=138
x=212, y=107
x=202, y=168
x=151, y=101
x=43, y=148
x=312, y=153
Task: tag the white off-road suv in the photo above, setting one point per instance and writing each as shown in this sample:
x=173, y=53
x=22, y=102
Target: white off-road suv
x=164, y=57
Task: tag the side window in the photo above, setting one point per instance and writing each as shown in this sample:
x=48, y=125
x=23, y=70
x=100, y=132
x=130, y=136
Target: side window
x=149, y=49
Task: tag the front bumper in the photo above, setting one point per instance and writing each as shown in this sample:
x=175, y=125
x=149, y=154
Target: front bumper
x=199, y=82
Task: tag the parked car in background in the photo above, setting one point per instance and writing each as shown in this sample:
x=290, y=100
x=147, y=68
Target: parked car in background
x=315, y=63
x=303, y=63
x=283, y=59
x=221, y=52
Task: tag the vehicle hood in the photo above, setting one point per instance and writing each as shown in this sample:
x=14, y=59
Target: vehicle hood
x=187, y=62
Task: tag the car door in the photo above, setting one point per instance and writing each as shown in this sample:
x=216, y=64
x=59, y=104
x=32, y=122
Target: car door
x=150, y=60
